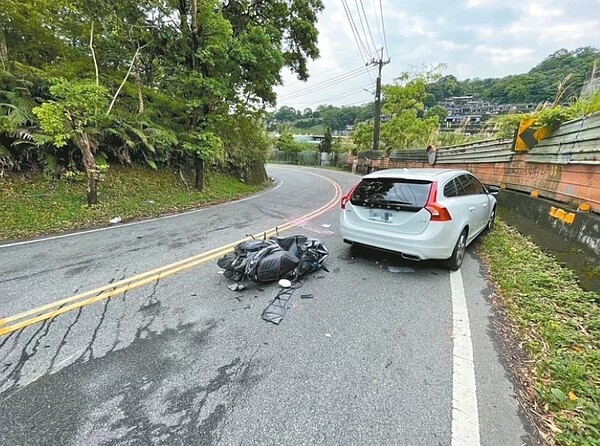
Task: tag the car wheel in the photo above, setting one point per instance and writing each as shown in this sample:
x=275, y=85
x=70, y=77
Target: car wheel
x=492, y=221
x=458, y=253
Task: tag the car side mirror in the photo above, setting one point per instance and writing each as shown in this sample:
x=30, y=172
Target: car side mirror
x=493, y=190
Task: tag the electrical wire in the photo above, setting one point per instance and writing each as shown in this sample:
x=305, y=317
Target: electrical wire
x=343, y=95
x=364, y=53
x=383, y=26
x=377, y=21
x=322, y=73
x=364, y=31
x=324, y=84
x=362, y=6
x=339, y=76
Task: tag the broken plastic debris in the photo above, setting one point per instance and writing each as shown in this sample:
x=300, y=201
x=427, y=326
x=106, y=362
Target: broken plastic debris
x=221, y=272
x=306, y=296
x=400, y=269
x=114, y=221
x=327, y=335
x=236, y=287
x=284, y=283
x=148, y=202
x=279, y=306
x=326, y=226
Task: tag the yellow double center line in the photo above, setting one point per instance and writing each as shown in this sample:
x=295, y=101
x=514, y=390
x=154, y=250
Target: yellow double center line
x=53, y=309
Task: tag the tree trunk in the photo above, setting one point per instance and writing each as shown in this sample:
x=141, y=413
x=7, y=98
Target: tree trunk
x=256, y=174
x=194, y=29
x=90, y=168
x=199, y=163
x=185, y=29
x=138, y=84
x=3, y=49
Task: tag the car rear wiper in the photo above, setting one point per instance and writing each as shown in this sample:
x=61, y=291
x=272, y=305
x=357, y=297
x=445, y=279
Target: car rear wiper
x=395, y=202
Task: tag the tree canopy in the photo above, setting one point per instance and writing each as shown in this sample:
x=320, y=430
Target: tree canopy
x=406, y=125
x=561, y=73
x=337, y=119
x=177, y=77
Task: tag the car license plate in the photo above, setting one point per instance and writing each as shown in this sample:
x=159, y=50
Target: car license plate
x=380, y=215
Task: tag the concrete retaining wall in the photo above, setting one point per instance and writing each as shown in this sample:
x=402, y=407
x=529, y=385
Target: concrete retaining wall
x=564, y=167
x=581, y=231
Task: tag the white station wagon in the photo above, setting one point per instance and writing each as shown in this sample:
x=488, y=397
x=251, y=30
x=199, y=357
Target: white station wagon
x=418, y=213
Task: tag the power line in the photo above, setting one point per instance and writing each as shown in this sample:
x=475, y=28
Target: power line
x=327, y=83
x=313, y=76
x=367, y=23
x=358, y=40
x=344, y=95
x=383, y=26
x=377, y=21
x=365, y=53
x=362, y=25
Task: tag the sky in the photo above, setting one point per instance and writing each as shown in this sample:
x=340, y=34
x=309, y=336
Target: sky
x=473, y=38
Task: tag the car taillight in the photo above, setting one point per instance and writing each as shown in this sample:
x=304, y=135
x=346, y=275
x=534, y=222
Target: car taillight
x=346, y=198
x=437, y=211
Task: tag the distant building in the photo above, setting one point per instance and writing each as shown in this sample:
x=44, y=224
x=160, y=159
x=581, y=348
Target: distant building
x=469, y=114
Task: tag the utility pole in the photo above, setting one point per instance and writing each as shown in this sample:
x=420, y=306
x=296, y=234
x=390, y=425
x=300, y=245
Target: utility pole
x=377, y=118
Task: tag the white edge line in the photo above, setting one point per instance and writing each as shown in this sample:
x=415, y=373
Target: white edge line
x=465, y=416
x=124, y=225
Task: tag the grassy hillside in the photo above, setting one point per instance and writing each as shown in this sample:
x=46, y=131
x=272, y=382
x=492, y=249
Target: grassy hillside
x=33, y=205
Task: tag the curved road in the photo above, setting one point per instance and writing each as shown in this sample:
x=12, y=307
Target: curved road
x=385, y=353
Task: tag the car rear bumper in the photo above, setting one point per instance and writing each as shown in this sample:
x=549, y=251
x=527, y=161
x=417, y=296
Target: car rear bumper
x=436, y=242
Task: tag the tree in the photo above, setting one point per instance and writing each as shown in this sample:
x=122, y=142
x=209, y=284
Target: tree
x=247, y=146
x=179, y=71
x=76, y=115
x=439, y=111
x=326, y=144
x=238, y=49
x=445, y=87
x=403, y=103
x=285, y=113
x=362, y=136
x=287, y=143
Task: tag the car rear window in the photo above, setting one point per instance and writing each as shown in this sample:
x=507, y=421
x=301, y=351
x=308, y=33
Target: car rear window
x=391, y=193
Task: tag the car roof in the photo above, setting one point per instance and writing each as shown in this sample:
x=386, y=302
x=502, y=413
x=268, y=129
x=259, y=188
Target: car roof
x=416, y=173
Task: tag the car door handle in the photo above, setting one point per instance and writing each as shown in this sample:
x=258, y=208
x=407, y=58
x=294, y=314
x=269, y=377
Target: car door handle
x=484, y=205
x=472, y=208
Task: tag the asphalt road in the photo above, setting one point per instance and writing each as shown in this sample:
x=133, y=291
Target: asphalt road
x=183, y=360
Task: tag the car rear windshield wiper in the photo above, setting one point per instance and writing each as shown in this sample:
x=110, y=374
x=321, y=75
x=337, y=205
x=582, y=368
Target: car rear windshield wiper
x=395, y=202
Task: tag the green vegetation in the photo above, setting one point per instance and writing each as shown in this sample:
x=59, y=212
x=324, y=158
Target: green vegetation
x=563, y=70
x=289, y=120
x=558, y=79
x=407, y=126
x=37, y=205
x=287, y=143
x=560, y=326
x=550, y=117
x=151, y=82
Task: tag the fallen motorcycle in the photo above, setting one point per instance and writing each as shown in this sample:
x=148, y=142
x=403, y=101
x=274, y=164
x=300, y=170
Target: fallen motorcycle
x=274, y=258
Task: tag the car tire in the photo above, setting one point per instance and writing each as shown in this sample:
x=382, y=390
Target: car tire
x=492, y=221
x=458, y=253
